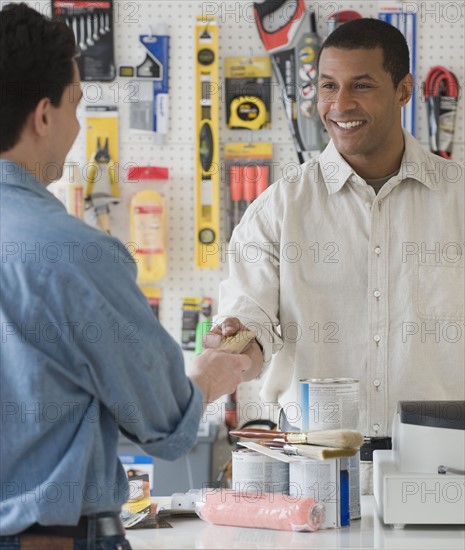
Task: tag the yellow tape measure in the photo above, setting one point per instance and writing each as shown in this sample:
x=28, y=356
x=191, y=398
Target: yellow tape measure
x=247, y=112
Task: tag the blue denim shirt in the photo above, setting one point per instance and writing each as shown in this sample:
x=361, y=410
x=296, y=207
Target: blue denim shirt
x=82, y=356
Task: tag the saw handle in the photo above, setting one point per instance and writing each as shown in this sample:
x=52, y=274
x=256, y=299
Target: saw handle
x=266, y=8
x=279, y=38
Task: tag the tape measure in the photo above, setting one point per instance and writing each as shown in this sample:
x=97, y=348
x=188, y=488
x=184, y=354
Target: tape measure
x=247, y=112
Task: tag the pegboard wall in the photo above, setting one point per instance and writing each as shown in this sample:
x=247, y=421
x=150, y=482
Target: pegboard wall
x=440, y=41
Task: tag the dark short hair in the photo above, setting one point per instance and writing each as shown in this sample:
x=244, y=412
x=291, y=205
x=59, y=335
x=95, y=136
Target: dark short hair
x=372, y=33
x=36, y=61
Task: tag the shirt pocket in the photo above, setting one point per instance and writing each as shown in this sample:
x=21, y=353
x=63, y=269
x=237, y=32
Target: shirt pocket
x=440, y=288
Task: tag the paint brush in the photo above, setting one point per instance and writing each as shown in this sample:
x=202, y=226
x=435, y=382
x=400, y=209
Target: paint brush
x=310, y=451
x=345, y=439
x=237, y=342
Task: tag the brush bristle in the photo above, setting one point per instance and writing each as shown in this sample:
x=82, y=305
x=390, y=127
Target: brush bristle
x=324, y=453
x=346, y=439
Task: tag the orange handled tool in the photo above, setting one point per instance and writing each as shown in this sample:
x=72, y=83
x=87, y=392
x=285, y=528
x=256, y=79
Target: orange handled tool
x=250, y=178
x=263, y=175
x=236, y=189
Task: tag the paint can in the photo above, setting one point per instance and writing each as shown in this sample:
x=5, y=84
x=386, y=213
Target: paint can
x=335, y=482
x=253, y=472
x=321, y=480
x=329, y=403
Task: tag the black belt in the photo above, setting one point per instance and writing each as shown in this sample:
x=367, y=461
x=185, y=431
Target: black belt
x=372, y=444
x=106, y=525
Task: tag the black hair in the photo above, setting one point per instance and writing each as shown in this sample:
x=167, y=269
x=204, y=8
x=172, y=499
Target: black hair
x=368, y=33
x=36, y=61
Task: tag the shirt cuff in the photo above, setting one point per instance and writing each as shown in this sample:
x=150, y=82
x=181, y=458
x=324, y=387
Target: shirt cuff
x=181, y=441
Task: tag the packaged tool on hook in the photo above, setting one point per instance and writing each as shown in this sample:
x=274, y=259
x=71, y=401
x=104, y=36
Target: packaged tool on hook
x=148, y=235
x=248, y=92
x=102, y=173
x=248, y=174
x=148, y=88
x=196, y=310
x=294, y=52
x=441, y=90
x=92, y=24
x=396, y=14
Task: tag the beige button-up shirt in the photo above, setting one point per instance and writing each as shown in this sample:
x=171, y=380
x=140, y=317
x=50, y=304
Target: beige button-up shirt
x=340, y=282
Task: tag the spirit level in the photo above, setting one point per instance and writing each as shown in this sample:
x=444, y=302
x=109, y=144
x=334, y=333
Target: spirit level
x=207, y=196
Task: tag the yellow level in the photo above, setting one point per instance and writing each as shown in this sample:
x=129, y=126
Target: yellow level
x=207, y=176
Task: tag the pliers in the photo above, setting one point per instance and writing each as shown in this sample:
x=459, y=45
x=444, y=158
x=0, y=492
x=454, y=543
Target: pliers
x=102, y=184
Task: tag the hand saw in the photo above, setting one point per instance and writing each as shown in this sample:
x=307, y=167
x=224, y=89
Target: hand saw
x=294, y=52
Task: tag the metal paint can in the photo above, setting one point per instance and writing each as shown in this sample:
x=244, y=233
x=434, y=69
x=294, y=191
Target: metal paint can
x=319, y=479
x=335, y=482
x=329, y=403
x=253, y=472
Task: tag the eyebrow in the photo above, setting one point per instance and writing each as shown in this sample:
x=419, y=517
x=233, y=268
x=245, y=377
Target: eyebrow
x=364, y=76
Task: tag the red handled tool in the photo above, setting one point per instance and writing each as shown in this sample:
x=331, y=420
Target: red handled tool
x=263, y=176
x=441, y=91
x=235, y=189
x=255, y=181
x=245, y=184
x=283, y=36
x=250, y=177
x=340, y=17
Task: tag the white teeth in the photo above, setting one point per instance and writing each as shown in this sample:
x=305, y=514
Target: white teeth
x=347, y=125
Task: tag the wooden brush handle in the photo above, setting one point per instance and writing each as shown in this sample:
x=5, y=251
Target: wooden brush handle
x=256, y=433
x=237, y=342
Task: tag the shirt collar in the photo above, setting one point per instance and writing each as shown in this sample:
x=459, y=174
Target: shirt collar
x=416, y=164
x=16, y=175
x=334, y=168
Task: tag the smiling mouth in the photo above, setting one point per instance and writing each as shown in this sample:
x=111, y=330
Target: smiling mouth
x=348, y=125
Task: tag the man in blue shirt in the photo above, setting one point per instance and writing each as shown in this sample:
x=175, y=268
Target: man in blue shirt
x=81, y=354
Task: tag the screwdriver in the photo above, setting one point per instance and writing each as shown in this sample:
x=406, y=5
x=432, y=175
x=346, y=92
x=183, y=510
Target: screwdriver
x=263, y=174
x=250, y=178
x=235, y=189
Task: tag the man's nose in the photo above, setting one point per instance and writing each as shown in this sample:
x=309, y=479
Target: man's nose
x=343, y=100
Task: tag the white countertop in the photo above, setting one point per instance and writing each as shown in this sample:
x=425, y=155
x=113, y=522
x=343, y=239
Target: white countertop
x=368, y=532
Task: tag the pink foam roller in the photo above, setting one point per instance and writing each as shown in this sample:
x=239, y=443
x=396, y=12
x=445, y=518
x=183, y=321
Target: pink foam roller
x=261, y=510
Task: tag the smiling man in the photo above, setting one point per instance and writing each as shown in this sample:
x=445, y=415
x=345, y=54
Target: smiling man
x=359, y=266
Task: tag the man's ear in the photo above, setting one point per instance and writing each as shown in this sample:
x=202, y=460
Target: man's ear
x=405, y=89
x=41, y=119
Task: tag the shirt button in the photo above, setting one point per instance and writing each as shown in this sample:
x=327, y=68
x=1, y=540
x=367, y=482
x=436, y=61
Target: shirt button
x=378, y=250
x=376, y=338
x=376, y=293
x=376, y=383
x=353, y=179
x=376, y=427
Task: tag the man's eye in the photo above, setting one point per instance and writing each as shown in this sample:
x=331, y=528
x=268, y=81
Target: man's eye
x=327, y=86
x=362, y=86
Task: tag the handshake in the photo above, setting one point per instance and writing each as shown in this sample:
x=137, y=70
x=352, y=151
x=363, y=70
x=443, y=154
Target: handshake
x=231, y=356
